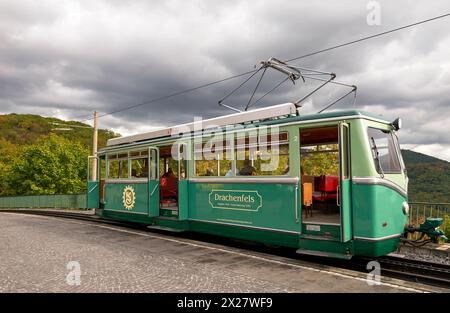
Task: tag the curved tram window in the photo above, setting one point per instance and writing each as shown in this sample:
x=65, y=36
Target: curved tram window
x=384, y=151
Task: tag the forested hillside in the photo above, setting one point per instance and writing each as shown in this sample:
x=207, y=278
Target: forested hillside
x=41, y=155
x=23, y=129
x=429, y=177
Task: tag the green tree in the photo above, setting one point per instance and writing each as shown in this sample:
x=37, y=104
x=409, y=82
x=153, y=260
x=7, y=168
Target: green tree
x=54, y=165
x=321, y=160
x=8, y=154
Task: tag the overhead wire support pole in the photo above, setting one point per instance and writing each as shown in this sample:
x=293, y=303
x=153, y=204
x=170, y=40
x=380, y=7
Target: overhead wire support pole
x=331, y=82
x=235, y=89
x=297, y=103
x=333, y=103
x=276, y=86
x=94, y=146
x=256, y=88
x=230, y=107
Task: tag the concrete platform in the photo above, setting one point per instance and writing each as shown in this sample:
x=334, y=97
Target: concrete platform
x=36, y=251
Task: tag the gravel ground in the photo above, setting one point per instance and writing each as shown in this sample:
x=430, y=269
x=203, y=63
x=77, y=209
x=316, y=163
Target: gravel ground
x=431, y=253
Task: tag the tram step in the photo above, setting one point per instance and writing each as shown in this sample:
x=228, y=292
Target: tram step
x=172, y=208
x=325, y=254
x=173, y=230
x=314, y=237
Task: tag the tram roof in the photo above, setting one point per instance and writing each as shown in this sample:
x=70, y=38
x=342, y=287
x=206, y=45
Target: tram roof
x=277, y=114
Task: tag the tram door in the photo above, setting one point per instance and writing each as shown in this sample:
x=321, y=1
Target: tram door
x=325, y=182
x=344, y=192
x=153, y=182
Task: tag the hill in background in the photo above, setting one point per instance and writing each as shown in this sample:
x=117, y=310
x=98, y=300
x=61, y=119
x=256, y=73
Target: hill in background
x=42, y=155
x=412, y=157
x=25, y=129
x=429, y=177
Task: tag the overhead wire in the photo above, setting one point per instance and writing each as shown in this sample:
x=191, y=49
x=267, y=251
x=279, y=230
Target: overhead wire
x=289, y=60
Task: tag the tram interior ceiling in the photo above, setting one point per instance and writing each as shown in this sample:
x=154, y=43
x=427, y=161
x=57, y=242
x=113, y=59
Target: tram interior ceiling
x=320, y=173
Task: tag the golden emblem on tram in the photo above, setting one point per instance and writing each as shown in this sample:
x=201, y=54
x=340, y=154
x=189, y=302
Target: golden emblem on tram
x=128, y=197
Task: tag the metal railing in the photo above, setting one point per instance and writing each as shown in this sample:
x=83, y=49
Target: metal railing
x=420, y=211
x=45, y=201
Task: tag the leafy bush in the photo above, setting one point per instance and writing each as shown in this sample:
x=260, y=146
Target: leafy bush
x=53, y=165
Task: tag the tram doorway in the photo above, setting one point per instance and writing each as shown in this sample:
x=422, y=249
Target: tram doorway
x=324, y=176
x=172, y=181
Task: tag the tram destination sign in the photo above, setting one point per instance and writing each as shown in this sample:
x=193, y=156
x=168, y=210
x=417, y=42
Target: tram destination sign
x=241, y=200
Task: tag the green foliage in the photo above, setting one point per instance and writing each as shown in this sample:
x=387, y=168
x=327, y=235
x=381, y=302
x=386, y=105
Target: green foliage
x=429, y=177
x=23, y=136
x=54, y=165
x=321, y=160
x=8, y=152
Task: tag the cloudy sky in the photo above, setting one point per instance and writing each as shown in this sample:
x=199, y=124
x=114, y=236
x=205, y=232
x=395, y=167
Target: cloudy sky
x=67, y=58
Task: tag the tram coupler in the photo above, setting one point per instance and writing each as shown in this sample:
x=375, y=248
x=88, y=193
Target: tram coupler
x=430, y=228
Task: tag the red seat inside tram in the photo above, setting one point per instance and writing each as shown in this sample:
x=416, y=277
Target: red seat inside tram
x=168, y=187
x=325, y=187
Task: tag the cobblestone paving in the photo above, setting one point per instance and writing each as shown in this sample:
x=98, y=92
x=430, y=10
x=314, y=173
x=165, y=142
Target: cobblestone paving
x=35, y=251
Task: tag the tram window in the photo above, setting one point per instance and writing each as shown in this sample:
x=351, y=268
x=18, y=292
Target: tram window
x=383, y=151
x=206, y=168
x=213, y=159
x=263, y=162
x=118, y=169
x=139, y=168
x=267, y=157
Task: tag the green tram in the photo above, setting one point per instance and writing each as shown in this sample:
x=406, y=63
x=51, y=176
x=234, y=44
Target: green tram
x=331, y=184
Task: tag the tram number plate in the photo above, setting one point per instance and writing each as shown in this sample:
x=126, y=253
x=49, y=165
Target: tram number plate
x=313, y=227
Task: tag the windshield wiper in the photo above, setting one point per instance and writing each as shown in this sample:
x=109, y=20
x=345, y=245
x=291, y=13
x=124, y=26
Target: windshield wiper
x=376, y=157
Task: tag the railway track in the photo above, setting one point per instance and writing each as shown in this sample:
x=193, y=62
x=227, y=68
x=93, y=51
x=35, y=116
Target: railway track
x=418, y=271
x=427, y=273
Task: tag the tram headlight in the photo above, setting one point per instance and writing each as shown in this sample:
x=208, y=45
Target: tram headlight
x=405, y=208
x=397, y=123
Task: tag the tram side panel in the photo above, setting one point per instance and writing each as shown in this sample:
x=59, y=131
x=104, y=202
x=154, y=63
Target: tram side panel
x=259, y=212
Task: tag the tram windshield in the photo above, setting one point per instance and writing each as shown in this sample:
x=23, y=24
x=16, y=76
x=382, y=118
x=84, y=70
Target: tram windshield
x=385, y=151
